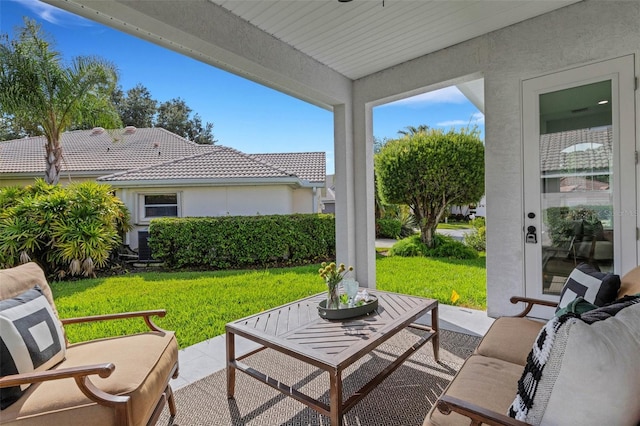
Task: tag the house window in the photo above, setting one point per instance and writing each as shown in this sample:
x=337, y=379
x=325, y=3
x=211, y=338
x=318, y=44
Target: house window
x=160, y=205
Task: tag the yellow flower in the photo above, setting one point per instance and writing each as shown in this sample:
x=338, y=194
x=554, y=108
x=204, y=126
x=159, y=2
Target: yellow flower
x=332, y=273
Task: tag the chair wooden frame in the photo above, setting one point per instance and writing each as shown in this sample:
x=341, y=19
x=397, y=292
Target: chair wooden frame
x=120, y=404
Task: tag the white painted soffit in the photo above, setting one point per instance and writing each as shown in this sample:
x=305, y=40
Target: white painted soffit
x=308, y=48
x=362, y=37
x=474, y=91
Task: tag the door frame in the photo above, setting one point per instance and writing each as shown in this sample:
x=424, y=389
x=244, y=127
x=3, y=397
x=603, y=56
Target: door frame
x=621, y=72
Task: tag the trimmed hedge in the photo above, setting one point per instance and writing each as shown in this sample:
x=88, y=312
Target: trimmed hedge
x=230, y=242
x=389, y=228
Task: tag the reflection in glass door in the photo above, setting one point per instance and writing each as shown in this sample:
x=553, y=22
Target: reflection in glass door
x=579, y=173
x=576, y=166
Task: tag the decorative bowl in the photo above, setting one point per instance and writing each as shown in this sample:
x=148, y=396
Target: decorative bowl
x=344, y=313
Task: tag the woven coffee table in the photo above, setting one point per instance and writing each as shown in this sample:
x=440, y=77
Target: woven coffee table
x=297, y=330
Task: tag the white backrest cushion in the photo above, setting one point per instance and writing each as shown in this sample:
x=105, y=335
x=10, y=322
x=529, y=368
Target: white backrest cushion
x=590, y=372
x=31, y=339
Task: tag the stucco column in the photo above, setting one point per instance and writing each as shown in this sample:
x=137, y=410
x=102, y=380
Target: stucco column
x=355, y=225
x=343, y=182
x=363, y=193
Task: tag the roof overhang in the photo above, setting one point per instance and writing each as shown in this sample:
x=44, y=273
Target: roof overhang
x=177, y=183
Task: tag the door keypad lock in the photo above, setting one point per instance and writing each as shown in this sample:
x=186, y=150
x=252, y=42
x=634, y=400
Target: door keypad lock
x=531, y=237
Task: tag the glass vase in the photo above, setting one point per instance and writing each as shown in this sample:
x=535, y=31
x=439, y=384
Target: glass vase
x=333, y=298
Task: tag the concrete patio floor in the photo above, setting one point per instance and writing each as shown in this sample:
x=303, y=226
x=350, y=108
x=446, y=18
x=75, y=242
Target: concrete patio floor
x=208, y=357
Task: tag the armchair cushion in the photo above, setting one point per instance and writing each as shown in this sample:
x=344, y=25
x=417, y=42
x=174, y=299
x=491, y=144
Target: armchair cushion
x=630, y=283
x=583, y=369
x=142, y=361
x=31, y=339
x=594, y=286
x=510, y=339
x=487, y=382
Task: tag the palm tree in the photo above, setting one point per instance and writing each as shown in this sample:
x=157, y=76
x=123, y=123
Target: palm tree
x=412, y=130
x=41, y=92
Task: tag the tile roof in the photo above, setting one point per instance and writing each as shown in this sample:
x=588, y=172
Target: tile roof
x=156, y=154
x=309, y=166
x=222, y=163
x=86, y=150
x=580, y=183
x=576, y=150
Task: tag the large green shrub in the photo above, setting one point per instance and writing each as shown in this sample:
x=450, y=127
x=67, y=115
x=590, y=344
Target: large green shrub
x=70, y=229
x=388, y=228
x=430, y=170
x=242, y=241
x=444, y=246
x=477, y=238
x=409, y=247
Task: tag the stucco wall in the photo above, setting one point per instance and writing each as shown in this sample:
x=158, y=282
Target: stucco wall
x=579, y=34
x=15, y=182
x=244, y=201
x=304, y=200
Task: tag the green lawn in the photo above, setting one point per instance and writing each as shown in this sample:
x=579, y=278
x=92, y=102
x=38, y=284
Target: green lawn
x=454, y=226
x=199, y=304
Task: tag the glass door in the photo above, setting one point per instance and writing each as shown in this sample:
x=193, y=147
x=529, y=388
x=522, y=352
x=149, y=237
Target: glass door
x=579, y=152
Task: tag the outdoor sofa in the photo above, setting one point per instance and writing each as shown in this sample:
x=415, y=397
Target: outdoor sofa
x=119, y=381
x=582, y=369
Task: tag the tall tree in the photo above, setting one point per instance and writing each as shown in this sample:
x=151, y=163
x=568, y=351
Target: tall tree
x=412, y=130
x=10, y=129
x=173, y=115
x=429, y=171
x=136, y=108
x=199, y=134
x=36, y=87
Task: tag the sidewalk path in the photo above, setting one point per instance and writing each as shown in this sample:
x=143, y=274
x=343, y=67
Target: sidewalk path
x=457, y=234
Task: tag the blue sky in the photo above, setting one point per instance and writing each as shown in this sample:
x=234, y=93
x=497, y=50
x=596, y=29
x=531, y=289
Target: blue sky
x=246, y=116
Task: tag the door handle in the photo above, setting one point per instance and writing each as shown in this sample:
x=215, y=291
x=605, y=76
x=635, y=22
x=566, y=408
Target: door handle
x=531, y=236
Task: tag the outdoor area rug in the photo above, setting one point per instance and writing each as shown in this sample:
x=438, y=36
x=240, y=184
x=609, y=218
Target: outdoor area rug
x=404, y=398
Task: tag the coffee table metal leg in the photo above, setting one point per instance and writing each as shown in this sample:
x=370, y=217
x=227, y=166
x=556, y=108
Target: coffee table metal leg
x=335, y=397
x=231, y=371
x=436, y=338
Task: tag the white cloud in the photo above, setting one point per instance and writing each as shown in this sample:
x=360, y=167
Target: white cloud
x=448, y=95
x=453, y=123
x=476, y=118
x=54, y=15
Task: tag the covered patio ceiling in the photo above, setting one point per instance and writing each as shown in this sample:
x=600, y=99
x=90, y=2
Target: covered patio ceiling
x=272, y=41
x=362, y=37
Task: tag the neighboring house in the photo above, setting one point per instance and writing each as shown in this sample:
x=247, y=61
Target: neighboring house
x=328, y=195
x=577, y=160
x=157, y=174
x=472, y=210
